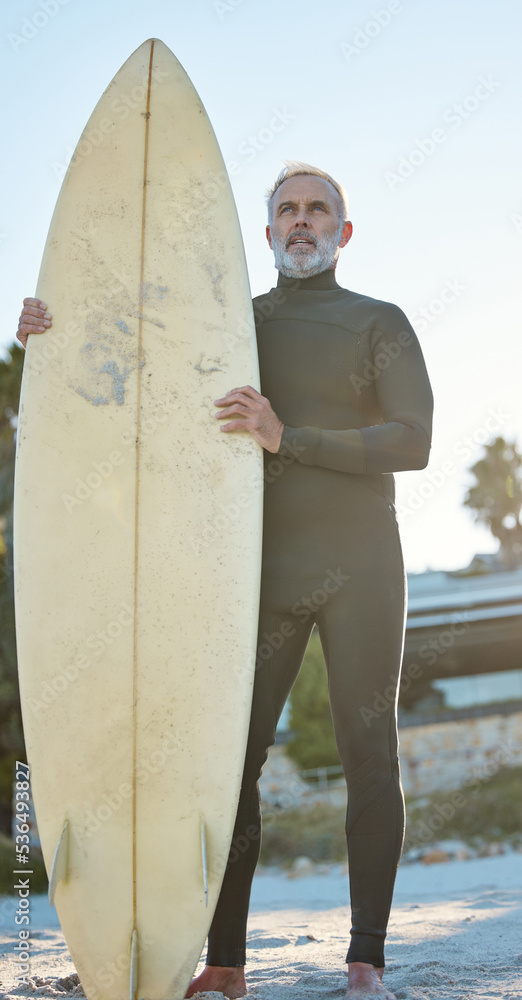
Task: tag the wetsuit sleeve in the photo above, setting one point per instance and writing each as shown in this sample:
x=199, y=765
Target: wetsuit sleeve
x=402, y=388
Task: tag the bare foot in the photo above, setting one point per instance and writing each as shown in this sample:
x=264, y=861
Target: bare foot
x=229, y=980
x=365, y=983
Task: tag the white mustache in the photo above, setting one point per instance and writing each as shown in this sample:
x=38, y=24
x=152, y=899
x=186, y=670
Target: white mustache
x=301, y=236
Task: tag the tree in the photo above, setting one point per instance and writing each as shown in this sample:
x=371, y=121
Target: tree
x=11, y=738
x=313, y=744
x=496, y=497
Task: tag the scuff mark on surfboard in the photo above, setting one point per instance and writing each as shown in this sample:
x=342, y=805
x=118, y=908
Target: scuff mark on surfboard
x=207, y=371
x=150, y=291
x=117, y=390
x=105, y=364
x=216, y=282
x=154, y=322
x=123, y=327
x=95, y=400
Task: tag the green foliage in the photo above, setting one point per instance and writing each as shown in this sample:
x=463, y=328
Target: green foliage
x=316, y=833
x=496, y=496
x=489, y=809
x=313, y=744
x=10, y=381
x=11, y=739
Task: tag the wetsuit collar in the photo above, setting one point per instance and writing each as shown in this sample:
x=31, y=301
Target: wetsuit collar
x=319, y=282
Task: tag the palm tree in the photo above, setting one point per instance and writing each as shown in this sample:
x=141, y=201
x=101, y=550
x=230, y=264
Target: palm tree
x=496, y=497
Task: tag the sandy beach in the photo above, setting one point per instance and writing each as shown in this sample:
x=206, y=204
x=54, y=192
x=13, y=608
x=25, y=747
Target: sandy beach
x=455, y=933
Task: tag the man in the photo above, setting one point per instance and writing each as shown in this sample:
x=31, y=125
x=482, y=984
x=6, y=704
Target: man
x=346, y=402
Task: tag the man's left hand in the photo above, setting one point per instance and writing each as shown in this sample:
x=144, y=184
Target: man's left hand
x=254, y=413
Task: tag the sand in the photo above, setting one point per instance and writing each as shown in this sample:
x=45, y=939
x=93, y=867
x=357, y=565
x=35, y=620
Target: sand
x=455, y=933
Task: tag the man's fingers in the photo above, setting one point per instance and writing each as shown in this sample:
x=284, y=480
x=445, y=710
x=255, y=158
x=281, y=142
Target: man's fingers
x=237, y=407
x=253, y=413
x=34, y=318
x=23, y=332
x=32, y=324
x=246, y=390
x=31, y=328
x=33, y=311
x=35, y=302
x=235, y=425
x=251, y=402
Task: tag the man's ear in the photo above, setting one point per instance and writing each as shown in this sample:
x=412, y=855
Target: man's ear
x=269, y=236
x=347, y=234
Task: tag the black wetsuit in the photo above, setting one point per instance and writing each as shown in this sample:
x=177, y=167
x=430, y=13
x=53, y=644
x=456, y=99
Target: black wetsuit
x=345, y=374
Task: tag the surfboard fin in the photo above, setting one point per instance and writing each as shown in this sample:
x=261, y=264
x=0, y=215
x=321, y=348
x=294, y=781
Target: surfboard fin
x=133, y=982
x=60, y=865
x=204, y=860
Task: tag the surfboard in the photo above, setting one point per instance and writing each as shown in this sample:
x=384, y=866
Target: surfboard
x=138, y=536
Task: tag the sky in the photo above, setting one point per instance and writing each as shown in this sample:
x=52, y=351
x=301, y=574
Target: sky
x=414, y=106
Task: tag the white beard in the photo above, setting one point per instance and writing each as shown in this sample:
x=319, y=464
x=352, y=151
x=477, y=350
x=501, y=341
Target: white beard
x=305, y=263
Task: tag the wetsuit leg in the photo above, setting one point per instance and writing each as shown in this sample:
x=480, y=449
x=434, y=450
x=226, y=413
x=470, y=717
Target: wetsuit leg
x=360, y=614
x=282, y=642
x=361, y=629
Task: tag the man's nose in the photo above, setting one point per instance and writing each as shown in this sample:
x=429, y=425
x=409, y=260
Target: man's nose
x=302, y=218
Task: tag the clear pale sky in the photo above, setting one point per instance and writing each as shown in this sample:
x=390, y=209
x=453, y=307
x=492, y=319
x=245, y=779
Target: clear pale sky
x=414, y=106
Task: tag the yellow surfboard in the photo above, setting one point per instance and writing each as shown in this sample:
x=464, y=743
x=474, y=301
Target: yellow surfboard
x=138, y=536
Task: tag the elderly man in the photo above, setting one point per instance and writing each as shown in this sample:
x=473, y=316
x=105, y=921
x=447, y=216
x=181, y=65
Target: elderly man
x=346, y=403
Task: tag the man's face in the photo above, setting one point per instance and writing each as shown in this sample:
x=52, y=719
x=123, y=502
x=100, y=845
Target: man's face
x=306, y=231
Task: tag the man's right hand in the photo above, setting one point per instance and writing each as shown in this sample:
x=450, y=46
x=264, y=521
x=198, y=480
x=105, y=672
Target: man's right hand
x=34, y=318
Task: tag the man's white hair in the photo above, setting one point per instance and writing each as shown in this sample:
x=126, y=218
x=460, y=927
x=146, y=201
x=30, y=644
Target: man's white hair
x=295, y=168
